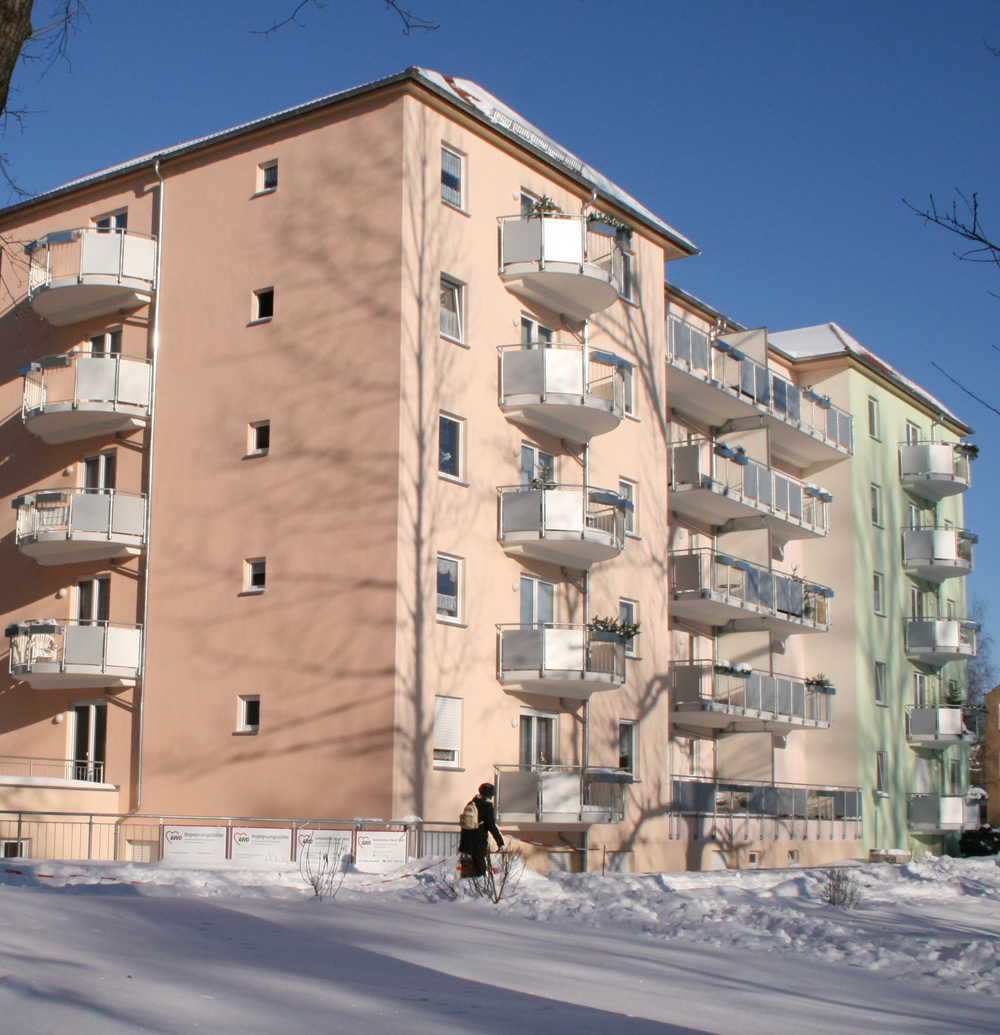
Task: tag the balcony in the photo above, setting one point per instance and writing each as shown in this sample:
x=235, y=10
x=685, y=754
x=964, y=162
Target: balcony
x=720, y=591
x=941, y=813
x=569, y=391
x=936, y=728
x=936, y=554
x=557, y=261
x=936, y=641
x=560, y=795
x=572, y=525
x=745, y=811
x=570, y=661
x=79, y=274
x=66, y=526
x=77, y=396
x=716, y=695
x=717, y=483
x=716, y=383
x=34, y=785
x=53, y=654
x=934, y=470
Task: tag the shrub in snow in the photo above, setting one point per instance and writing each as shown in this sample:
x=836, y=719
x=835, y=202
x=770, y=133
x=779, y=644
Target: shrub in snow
x=319, y=868
x=842, y=889
x=984, y=841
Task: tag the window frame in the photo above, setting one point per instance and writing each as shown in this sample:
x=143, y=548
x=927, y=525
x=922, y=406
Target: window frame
x=875, y=500
x=99, y=590
x=632, y=496
x=533, y=715
x=628, y=391
x=254, y=429
x=111, y=343
x=880, y=675
x=263, y=298
x=447, y=731
x=914, y=433
x=532, y=583
x=878, y=593
x=457, y=288
x=263, y=168
x=874, y=419
x=632, y=727
x=247, y=704
x=458, y=475
x=459, y=594
x=111, y=222
x=459, y=191
x=881, y=774
x=254, y=575
x=629, y=607
x=629, y=279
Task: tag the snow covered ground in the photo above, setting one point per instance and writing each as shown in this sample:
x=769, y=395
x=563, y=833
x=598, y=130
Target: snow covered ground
x=110, y=948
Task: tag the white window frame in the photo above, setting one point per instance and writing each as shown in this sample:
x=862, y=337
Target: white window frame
x=108, y=342
x=451, y=196
x=875, y=497
x=632, y=727
x=532, y=715
x=874, y=419
x=880, y=675
x=541, y=464
x=262, y=176
x=456, y=289
x=259, y=304
x=918, y=602
x=920, y=690
x=628, y=390
x=255, y=431
x=14, y=848
x=254, y=574
x=459, y=576
x=914, y=433
x=628, y=489
x=535, y=334
x=528, y=589
x=629, y=281
x=100, y=600
x=878, y=593
x=447, y=741
x=102, y=468
x=110, y=222
x=458, y=475
x=628, y=610
x=882, y=774
x=245, y=713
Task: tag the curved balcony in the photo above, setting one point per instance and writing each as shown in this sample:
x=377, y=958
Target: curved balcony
x=716, y=695
x=82, y=273
x=934, y=470
x=572, y=525
x=936, y=728
x=941, y=813
x=77, y=396
x=718, y=484
x=720, y=590
x=936, y=641
x=559, y=660
x=557, y=261
x=564, y=796
x=569, y=391
x=53, y=654
x=936, y=554
x=66, y=526
x=716, y=383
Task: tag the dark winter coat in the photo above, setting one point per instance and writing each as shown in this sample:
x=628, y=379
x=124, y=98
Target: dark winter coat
x=476, y=842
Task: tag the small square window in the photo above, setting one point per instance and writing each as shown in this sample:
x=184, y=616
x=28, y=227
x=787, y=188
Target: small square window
x=753, y=860
x=452, y=316
x=447, y=732
x=451, y=446
x=16, y=849
x=793, y=857
x=255, y=578
x=875, y=498
x=267, y=177
x=263, y=304
x=259, y=439
x=880, y=676
x=449, y=589
x=629, y=492
x=452, y=177
x=878, y=592
x=249, y=713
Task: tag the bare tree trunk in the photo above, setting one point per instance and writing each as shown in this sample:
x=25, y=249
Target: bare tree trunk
x=15, y=28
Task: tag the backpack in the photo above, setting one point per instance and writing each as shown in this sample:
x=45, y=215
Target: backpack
x=469, y=819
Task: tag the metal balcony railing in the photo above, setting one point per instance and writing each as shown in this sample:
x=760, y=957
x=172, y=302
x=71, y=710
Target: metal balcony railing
x=934, y=469
x=83, y=252
x=81, y=380
x=560, y=651
x=58, y=768
x=560, y=793
x=555, y=509
x=939, y=640
x=54, y=652
x=90, y=514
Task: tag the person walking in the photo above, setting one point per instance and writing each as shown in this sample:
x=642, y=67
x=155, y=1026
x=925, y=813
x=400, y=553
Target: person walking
x=474, y=840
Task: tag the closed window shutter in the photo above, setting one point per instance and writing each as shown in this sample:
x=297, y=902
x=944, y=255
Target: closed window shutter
x=447, y=729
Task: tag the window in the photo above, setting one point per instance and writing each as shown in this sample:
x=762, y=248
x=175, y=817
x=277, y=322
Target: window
x=629, y=492
x=628, y=276
x=537, y=739
x=267, y=177
x=99, y=471
x=956, y=776
x=13, y=849
x=628, y=613
x=538, y=468
x=538, y=601
x=916, y=602
x=950, y=610
x=628, y=735
x=874, y=419
x=451, y=446
x=534, y=334
x=452, y=299
x=115, y=221
x=449, y=588
x=88, y=734
x=107, y=343
x=628, y=388
x=913, y=433
x=878, y=592
x=93, y=600
x=263, y=304
x=248, y=720
x=875, y=496
x=255, y=575
x=882, y=774
x=452, y=177
x=920, y=693
x=753, y=860
x=914, y=516
x=447, y=731
x=259, y=437
x=793, y=857
x=880, y=676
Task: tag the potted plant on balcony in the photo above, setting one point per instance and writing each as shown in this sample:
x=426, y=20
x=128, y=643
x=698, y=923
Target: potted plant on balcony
x=820, y=681
x=612, y=630
x=724, y=450
x=543, y=206
x=622, y=230
x=967, y=449
x=728, y=668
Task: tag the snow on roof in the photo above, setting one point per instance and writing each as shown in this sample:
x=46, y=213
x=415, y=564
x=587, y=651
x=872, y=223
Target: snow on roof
x=830, y=339
x=462, y=92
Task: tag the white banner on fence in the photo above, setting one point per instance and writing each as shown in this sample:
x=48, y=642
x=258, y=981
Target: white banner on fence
x=187, y=844
x=334, y=843
x=261, y=844
x=380, y=849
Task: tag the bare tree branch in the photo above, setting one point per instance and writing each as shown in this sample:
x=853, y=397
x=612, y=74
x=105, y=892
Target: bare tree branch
x=958, y=384
x=410, y=20
x=967, y=226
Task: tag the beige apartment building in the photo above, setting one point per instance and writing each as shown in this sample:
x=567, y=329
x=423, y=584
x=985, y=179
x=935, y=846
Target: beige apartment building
x=345, y=451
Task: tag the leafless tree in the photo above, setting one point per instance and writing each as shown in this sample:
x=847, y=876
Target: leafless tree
x=410, y=20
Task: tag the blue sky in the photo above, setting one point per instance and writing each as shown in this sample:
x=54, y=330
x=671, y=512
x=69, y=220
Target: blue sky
x=779, y=136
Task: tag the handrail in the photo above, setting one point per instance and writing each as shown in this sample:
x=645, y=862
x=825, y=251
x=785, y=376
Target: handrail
x=56, y=380
x=65, y=768
x=51, y=511
x=62, y=254
x=43, y=641
x=700, y=796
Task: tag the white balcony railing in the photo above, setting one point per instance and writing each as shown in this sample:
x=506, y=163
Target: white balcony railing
x=936, y=727
x=71, y=653
x=560, y=794
x=931, y=813
x=570, y=391
x=561, y=262
x=79, y=395
x=934, y=470
x=62, y=526
x=86, y=272
x=51, y=768
x=936, y=641
x=717, y=482
x=935, y=554
x=576, y=525
x=565, y=660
